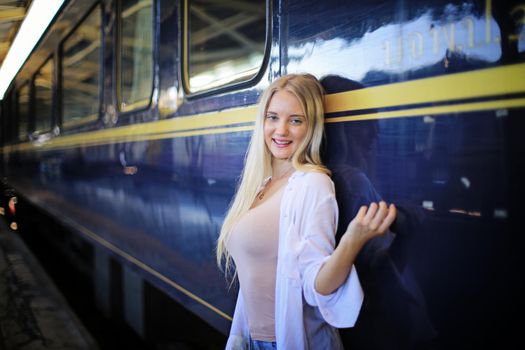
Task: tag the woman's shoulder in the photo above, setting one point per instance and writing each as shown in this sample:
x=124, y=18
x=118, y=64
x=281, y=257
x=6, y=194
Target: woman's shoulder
x=315, y=180
x=313, y=175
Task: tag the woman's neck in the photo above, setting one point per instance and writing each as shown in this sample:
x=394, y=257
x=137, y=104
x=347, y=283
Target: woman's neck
x=281, y=168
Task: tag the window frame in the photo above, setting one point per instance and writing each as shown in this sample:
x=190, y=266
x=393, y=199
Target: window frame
x=33, y=98
x=8, y=122
x=28, y=84
x=117, y=64
x=184, y=43
x=92, y=118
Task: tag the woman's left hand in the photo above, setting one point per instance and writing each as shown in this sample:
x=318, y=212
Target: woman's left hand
x=369, y=222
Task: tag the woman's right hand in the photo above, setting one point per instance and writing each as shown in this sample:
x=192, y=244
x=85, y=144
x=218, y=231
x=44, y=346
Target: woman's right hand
x=370, y=222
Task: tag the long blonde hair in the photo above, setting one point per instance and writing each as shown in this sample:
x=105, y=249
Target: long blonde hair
x=258, y=163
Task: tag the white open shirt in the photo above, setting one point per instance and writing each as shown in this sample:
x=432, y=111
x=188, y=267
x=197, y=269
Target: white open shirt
x=305, y=319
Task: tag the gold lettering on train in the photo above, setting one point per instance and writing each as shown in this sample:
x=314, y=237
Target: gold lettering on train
x=435, y=39
x=456, y=36
x=400, y=51
x=386, y=46
x=518, y=13
x=519, y=9
x=450, y=36
x=468, y=23
x=488, y=19
x=416, y=44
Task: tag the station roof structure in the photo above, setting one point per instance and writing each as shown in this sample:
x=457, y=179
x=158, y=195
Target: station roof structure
x=12, y=13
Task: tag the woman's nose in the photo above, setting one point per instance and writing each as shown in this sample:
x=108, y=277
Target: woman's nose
x=282, y=128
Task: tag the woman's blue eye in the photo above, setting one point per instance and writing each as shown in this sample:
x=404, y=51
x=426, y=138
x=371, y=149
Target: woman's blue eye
x=296, y=121
x=271, y=116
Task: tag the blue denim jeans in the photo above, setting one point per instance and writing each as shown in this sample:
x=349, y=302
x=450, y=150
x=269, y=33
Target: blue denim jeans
x=262, y=345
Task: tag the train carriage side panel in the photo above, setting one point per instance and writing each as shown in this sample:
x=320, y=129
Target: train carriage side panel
x=423, y=96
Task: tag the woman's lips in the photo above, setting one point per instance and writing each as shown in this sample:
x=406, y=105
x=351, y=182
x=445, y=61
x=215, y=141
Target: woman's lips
x=282, y=143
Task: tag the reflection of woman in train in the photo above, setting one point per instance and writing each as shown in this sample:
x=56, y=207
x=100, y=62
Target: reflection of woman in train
x=294, y=287
x=394, y=304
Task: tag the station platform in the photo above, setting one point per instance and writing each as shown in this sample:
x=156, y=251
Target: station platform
x=33, y=313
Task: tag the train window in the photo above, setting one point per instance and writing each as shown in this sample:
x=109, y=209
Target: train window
x=225, y=42
x=43, y=83
x=136, y=53
x=81, y=72
x=23, y=111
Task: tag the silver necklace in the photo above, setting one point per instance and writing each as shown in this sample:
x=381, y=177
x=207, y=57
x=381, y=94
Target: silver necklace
x=263, y=191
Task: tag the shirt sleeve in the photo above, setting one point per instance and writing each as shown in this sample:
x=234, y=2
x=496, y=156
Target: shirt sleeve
x=340, y=308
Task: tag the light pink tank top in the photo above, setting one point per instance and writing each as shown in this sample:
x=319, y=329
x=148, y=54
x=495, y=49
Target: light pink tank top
x=253, y=244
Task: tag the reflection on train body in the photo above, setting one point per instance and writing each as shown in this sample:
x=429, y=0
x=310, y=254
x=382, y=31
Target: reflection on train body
x=130, y=121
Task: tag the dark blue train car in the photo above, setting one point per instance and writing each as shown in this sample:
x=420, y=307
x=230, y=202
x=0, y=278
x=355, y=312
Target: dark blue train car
x=130, y=121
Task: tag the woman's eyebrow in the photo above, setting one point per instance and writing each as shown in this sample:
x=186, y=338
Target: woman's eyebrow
x=291, y=115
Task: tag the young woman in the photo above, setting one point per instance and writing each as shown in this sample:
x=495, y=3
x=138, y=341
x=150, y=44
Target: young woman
x=294, y=287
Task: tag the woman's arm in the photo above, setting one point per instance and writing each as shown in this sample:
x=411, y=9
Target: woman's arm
x=369, y=222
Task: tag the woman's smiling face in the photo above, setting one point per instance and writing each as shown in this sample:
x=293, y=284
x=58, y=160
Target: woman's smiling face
x=285, y=125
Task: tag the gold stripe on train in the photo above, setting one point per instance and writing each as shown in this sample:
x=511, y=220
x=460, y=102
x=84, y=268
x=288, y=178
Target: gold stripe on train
x=151, y=137
x=483, y=83
x=146, y=268
x=416, y=112
x=201, y=124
